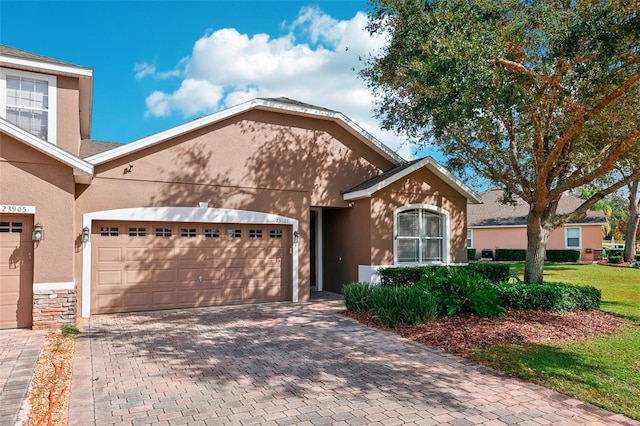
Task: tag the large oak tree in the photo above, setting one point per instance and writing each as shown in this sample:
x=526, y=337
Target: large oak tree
x=537, y=96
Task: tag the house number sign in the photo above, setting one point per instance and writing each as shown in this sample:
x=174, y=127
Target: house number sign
x=9, y=208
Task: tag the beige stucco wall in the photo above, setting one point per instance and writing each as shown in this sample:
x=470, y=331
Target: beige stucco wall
x=259, y=161
x=516, y=238
x=421, y=187
x=68, y=110
x=30, y=178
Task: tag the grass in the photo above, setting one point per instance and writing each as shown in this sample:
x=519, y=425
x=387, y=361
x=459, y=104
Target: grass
x=605, y=370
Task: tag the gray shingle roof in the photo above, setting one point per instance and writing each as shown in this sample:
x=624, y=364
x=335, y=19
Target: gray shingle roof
x=492, y=213
x=18, y=53
x=89, y=147
x=377, y=179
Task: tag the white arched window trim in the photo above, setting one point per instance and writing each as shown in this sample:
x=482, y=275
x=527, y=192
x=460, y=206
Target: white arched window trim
x=446, y=232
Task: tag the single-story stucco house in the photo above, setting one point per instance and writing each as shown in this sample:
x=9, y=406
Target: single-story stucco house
x=493, y=225
x=265, y=201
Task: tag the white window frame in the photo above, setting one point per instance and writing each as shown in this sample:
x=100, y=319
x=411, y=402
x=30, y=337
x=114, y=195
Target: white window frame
x=446, y=233
x=566, y=237
x=469, y=238
x=52, y=112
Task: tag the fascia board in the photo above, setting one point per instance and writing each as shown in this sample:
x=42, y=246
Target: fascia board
x=45, y=66
x=80, y=166
x=566, y=225
x=433, y=166
x=238, y=109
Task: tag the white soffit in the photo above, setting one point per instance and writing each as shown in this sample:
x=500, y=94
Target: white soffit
x=264, y=104
x=429, y=163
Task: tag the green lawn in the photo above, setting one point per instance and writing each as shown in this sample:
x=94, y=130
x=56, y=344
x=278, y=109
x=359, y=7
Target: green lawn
x=604, y=370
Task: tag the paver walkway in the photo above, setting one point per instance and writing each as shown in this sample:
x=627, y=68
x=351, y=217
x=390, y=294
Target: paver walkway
x=287, y=363
x=19, y=350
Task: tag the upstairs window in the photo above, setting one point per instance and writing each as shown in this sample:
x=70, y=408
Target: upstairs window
x=420, y=236
x=28, y=101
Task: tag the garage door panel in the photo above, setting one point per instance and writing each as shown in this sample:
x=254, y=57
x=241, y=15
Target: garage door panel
x=189, y=268
x=109, y=278
x=137, y=254
x=110, y=254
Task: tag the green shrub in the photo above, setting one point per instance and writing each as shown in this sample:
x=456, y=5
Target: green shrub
x=558, y=255
x=614, y=259
x=494, y=272
x=419, y=307
x=553, y=297
x=386, y=303
x=511, y=255
x=471, y=254
x=356, y=296
x=638, y=255
x=69, y=330
x=457, y=290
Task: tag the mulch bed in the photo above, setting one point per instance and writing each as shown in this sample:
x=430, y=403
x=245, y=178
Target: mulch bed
x=463, y=333
x=51, y=381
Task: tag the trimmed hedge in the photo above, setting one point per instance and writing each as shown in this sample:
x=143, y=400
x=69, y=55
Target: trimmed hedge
x=406, y=276
x=615, y=255
x=554, y=297
x=471, y=254
x=510, y=255
x=558, y=255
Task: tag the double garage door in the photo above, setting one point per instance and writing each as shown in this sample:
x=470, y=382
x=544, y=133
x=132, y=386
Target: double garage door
x=155, y=265
x=16, y=271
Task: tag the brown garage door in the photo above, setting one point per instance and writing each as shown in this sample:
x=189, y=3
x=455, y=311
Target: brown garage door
x=16, y=271
x=147, y=266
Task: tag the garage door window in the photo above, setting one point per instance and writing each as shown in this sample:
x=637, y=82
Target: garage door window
x=255, y=233
x=109, y=231
x=234, y=233
x=212, y=233
x=275, y=233
x=137, y=232
x=188, y=232
x=163, y=232
x=11, y=227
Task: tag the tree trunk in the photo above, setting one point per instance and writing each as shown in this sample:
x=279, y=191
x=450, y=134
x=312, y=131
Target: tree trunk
x=537, y=238
x=632, y=224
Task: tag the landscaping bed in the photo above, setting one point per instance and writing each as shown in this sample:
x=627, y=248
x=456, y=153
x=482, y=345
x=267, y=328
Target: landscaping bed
x=463, y=333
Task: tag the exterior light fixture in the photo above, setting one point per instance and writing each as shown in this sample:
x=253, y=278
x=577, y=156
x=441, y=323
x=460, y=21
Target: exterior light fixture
x=85, y=234
x=38, y=232
x=296, y=237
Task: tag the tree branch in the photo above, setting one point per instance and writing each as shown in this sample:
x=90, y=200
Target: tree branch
x=518, y=67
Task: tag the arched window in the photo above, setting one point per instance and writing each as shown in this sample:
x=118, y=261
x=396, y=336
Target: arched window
x=421, y=235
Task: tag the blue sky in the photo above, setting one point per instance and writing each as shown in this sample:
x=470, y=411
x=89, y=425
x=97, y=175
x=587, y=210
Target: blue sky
x=158, y=64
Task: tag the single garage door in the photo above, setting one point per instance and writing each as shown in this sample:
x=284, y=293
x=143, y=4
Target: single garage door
x=16, y=271
x=148, y=266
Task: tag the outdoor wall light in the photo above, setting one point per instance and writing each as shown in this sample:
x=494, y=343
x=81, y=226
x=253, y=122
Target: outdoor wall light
x=296, y=237
x=38, y=233
x=85, y=234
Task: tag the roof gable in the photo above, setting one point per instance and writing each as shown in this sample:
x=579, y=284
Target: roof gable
x=491, y=213
x=282, y=105
x=368, y=188
x=82, y=170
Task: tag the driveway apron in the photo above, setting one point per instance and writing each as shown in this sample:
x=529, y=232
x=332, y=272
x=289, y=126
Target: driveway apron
x=19, y=351
x=285, y=363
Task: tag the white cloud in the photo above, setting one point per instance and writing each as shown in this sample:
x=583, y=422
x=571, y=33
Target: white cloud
x=316, y=62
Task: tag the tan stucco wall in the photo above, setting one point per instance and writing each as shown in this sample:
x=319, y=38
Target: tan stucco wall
x=259, y=161
x=30, y=178
x=68, y=120
x=516, y=238
x=421, y=187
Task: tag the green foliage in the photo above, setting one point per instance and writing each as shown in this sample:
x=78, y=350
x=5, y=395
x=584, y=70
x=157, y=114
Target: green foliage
x=615, y=258
x=356, y=296
x=69, y=330
x=566, y=255
x=419, y=306
x=553, y=297
x=471, y=254
x=511, y=255
x=456, y=290
x=386, y=304
x=406, y=276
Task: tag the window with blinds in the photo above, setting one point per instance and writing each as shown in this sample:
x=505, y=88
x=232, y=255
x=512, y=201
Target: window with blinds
x=419, y=236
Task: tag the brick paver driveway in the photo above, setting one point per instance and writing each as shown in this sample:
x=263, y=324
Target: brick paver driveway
x=291, y=364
